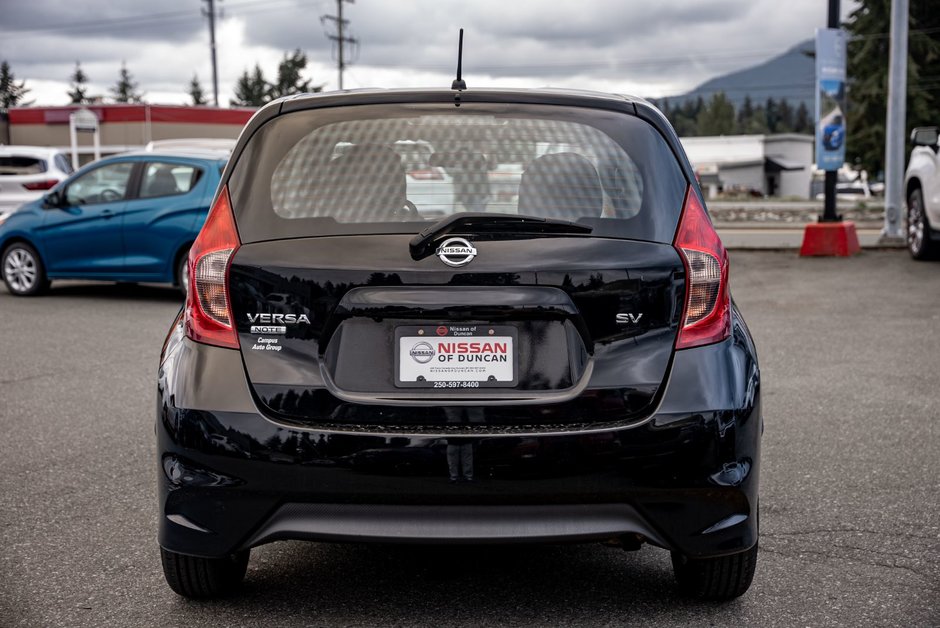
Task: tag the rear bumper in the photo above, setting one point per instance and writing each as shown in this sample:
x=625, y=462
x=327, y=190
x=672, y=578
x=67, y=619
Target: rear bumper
x=231, y=478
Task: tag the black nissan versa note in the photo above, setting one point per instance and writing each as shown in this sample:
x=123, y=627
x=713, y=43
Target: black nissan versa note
x=474, y=316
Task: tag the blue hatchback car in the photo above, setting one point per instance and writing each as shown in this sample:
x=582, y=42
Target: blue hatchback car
x=131, y=217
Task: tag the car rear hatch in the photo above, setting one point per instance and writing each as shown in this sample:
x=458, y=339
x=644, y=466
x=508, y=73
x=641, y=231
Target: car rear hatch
x=572, y=329
x=561, y=313
x=23, y=178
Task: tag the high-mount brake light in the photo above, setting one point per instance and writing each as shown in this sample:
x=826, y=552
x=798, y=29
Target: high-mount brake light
x=208, y=317
x=707, y=315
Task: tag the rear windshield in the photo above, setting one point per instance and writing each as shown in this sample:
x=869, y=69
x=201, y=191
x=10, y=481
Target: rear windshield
x=398, y=168
x=14, y=165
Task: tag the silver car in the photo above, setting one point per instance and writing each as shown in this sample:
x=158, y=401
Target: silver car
x=28, y=172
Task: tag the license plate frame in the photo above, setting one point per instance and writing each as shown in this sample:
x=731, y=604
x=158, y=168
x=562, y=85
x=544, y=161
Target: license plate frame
x=462, y=374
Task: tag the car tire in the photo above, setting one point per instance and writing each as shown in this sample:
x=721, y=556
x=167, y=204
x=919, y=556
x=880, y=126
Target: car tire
x=721, y=578
x=919, y=244
x=198, y=577
x=23, y=271
x=182, y=272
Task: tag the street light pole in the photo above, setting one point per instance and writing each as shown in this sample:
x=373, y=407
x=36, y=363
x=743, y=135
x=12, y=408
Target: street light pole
x=895, y=132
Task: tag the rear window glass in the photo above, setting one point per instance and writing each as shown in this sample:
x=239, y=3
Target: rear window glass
x=398, y=168
x=63, y=164
x=14, y=165
x=167, y=179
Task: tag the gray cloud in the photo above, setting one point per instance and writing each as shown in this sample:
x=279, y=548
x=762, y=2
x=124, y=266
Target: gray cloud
x=671, y=43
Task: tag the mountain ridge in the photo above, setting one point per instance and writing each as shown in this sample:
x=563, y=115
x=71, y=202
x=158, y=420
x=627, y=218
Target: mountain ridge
x=790, y=75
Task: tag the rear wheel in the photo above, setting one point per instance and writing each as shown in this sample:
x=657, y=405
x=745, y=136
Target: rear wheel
x=197, y=577
x=23, y=272
x=182, y=272
x=919, y=243
x=721, y=578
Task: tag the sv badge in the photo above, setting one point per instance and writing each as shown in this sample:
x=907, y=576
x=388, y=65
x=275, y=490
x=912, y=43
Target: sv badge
x=628, y=318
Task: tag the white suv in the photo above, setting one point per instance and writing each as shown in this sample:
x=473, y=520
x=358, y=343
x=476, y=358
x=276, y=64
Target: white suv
x=922, y=188
x=27, y=172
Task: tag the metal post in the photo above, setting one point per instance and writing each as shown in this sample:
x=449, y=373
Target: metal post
x=73, y=139
x=339, y=29
x=832, y=176
x=210, y=13
x=896, y=120
x=96, y=136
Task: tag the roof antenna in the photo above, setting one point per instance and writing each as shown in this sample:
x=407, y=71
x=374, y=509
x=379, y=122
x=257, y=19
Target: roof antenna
x=459, y=83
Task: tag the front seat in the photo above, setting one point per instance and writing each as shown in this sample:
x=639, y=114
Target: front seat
x=561, y=185
x=162, y=183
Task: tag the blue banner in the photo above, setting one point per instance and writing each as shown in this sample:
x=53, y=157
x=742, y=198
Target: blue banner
x=830, y=98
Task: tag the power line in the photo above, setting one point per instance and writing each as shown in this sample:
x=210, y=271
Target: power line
x=339, y=38
x=148, y=19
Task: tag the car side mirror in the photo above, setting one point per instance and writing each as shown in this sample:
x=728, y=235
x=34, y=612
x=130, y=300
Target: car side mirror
x=925, y=136
x=53, y=200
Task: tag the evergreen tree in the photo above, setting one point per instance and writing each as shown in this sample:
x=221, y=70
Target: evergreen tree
x=772, y=115
x=803, y=122
x=251, y=90
x=12, y=92
x=685, y=117
x=196, y=92
x=745, y=113
x=79, y=92
x=664, y=107
x=868, y=76
x=786, y=117
x=125, y=90
x=289, y=81
x=718, y=117
x=681, y=119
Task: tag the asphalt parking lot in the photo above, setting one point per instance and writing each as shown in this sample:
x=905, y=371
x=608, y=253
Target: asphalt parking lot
x=850, y=495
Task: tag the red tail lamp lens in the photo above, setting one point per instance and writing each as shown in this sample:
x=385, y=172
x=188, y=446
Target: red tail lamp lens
x=208, y=306
x=707, y=316
x=40, y=185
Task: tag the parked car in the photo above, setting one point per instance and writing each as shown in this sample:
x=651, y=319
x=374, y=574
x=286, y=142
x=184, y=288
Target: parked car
x=28, y=172
x=131, y=217
x=570, y=367
x=922, y=191
x=851, y=184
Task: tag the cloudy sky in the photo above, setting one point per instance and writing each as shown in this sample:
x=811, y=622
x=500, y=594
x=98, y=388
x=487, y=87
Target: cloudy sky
x=650, y=48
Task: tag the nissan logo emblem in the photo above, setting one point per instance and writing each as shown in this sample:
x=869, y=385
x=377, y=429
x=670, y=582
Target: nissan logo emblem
x=422, y=353
x=456, y=252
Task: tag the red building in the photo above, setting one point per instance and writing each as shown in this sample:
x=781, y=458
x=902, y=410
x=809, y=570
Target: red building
x=122, y=127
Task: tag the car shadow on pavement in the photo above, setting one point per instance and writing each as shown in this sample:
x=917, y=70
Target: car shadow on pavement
x=476, y=585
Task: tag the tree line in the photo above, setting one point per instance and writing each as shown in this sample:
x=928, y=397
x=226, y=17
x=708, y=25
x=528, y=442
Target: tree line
x=718, y=116
x=251, y=90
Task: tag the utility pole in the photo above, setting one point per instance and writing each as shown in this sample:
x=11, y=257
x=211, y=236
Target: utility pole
x=895, y=132
x=832, y=176
x=340, y=39
x=210, y=13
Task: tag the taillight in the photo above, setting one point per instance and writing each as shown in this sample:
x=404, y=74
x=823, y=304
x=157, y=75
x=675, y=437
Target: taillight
x=208, y=316
x=707, y=315
x=40, y=185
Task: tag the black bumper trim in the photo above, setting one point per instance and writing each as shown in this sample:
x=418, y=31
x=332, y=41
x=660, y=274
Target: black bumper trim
x=452, y=524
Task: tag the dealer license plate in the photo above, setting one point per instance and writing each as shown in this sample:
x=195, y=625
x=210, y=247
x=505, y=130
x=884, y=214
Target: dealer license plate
x=455, y=356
